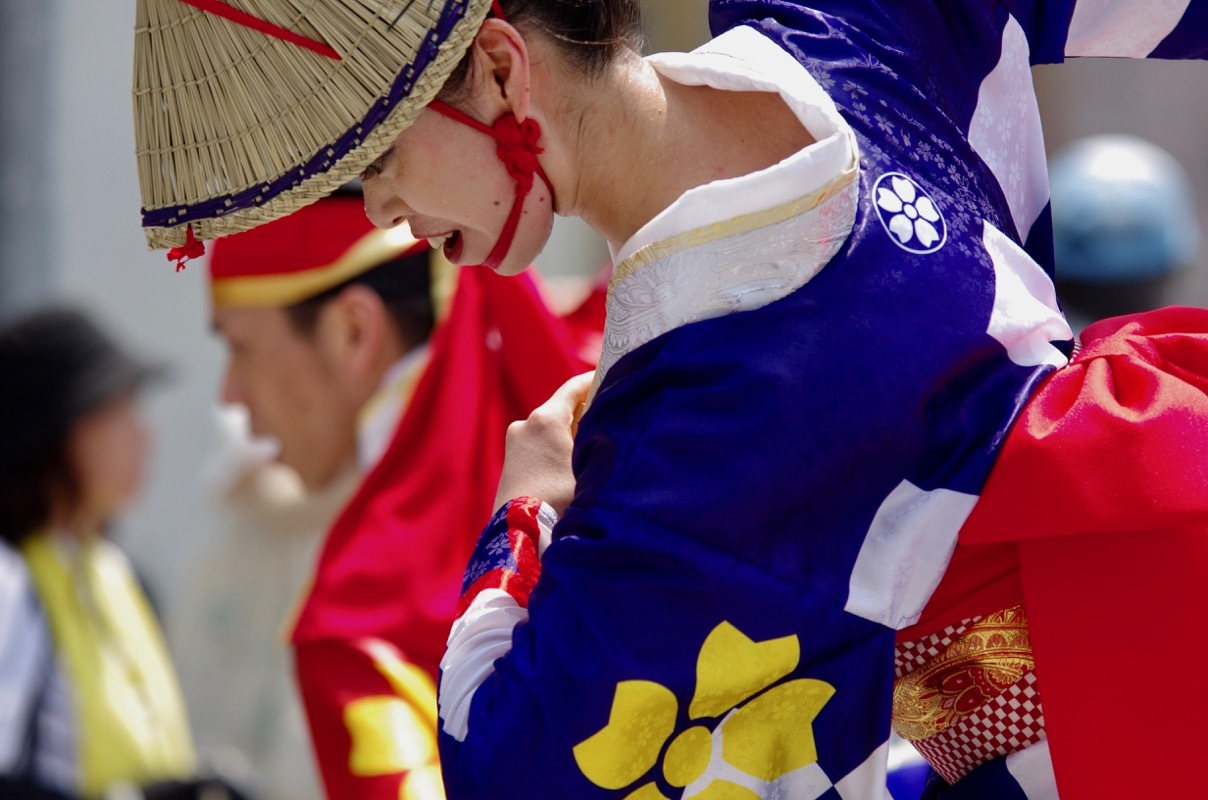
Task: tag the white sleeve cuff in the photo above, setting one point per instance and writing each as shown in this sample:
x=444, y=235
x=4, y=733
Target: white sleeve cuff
x=480, y=636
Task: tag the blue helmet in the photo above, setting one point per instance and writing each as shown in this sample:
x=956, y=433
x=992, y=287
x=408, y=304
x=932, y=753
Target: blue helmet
x=1122, y=211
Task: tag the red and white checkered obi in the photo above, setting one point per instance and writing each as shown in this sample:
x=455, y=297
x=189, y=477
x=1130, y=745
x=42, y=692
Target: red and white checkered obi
x=967, y=694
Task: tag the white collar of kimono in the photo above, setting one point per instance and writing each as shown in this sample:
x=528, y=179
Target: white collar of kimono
x=742, y=59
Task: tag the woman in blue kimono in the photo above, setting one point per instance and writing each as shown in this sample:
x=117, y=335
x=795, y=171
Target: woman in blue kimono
x=832, y=298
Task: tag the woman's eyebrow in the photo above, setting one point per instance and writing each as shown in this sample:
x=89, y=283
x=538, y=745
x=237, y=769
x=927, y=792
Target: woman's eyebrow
x=378, y=164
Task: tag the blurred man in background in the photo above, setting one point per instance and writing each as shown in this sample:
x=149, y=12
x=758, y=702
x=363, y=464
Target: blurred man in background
x=1124, y=227
x=351, y=348
x=264, y=535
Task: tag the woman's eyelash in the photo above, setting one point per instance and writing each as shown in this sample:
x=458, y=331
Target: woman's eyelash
x=377, y=166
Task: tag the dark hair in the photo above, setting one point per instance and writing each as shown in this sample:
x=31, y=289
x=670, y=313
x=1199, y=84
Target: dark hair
x=405, y=286
x=589, y=33
x=62, y=366
x=28, y=492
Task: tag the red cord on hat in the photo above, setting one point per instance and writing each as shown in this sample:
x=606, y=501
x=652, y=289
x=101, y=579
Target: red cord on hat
x=227, y=12
x=517, y=147
x=192, y=248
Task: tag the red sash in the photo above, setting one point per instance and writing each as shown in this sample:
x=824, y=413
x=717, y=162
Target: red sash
x=1103, y=483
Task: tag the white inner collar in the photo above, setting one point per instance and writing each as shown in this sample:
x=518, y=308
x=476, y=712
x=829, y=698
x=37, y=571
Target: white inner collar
x=742, y=59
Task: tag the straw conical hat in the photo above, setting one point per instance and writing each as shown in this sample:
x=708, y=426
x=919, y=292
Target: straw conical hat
x=247, y=110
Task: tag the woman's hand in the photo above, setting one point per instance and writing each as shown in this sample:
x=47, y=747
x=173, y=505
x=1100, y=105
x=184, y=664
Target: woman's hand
x=537, y=460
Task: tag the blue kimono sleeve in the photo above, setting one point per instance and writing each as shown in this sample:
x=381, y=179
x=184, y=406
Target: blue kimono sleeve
x=645, y=665
x=1112, y=29
x=1056, y=29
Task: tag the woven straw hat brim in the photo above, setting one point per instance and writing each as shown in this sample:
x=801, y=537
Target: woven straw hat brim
x=235, y=128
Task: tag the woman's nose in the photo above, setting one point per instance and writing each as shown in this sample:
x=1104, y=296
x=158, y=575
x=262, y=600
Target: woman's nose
x=384, y=208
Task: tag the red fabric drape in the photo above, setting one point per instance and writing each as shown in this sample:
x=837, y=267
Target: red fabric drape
x=1103, y=482
x=391, y=568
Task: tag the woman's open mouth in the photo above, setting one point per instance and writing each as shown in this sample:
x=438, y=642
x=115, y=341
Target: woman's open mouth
x=453, y=245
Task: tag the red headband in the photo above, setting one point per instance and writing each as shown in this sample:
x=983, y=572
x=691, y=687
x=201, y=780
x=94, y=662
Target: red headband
x=518, y=148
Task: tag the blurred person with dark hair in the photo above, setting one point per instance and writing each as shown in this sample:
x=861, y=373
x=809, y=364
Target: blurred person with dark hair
x=362, y=348
x=1124, y=227
x=89, y=704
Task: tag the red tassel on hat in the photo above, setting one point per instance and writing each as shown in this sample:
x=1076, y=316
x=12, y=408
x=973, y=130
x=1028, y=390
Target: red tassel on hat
x=192, y=248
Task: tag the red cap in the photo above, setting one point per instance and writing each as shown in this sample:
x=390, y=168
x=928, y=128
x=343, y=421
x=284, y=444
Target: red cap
x=310, y=251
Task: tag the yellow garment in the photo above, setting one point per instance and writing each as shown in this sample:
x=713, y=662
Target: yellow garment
x=128, y=709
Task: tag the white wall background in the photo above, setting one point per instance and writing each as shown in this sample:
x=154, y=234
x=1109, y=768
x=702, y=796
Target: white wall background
x=102, y=262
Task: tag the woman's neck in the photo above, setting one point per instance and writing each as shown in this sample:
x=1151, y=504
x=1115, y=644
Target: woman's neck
x=75, y=523
x=642, y=140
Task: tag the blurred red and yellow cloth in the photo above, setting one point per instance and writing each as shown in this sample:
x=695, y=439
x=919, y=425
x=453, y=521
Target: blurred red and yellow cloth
x=371, y=632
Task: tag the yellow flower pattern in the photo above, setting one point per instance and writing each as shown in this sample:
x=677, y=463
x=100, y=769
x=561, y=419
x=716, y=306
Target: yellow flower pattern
x=394, y=734
x=767, y=738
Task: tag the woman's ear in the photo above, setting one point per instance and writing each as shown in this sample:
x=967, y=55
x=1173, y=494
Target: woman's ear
x=503, y=81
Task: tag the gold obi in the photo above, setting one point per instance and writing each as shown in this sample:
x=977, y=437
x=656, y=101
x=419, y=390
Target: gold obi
x=968, y=694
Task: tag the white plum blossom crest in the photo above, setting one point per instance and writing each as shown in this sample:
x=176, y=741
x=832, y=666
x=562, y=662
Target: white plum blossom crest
x=908, y=214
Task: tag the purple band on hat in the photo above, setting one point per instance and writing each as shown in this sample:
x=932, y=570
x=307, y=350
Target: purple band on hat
x=320, y=162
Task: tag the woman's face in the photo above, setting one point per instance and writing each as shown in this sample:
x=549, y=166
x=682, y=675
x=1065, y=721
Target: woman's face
x=107, y=449
x=445, y=179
